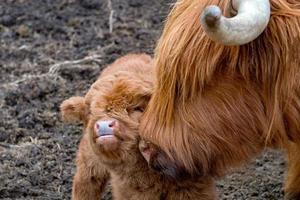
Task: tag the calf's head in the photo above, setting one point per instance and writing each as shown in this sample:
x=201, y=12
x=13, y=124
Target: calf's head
x=114, y=120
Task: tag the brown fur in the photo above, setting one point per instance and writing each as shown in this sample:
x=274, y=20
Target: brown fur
x=214, y=107
x=121, y=93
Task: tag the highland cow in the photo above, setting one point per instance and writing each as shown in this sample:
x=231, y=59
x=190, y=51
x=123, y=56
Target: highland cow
x=227, y=88
x=109, y=149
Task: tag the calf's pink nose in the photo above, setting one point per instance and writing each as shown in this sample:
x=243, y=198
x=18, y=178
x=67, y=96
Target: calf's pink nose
x=105, y=127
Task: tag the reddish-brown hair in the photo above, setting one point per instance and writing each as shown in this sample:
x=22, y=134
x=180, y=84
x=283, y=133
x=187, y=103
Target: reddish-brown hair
x=215, y=106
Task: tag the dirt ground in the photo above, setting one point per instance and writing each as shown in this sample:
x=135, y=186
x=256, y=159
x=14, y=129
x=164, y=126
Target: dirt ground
x=38, y=39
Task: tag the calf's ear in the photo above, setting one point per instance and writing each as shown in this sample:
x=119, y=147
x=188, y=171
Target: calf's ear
x=170, y=169
x=160, y=162
x=74, y=109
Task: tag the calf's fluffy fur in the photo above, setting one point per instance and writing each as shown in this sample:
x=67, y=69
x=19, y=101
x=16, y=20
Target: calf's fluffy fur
x=121, y=93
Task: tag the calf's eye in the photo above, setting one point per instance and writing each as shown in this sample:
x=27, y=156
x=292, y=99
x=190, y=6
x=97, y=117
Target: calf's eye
x=139, y=109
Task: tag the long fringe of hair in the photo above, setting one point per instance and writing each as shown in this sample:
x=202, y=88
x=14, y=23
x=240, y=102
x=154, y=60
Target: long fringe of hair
x=186, y=60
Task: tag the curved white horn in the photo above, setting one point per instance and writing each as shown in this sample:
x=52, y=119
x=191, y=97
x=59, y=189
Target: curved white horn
x=251, y=20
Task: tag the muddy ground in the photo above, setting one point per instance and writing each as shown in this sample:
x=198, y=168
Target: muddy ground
x=37, y=40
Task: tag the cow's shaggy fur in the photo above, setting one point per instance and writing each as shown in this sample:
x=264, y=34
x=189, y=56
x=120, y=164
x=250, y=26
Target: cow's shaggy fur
x=121, y=93
x=215, y=107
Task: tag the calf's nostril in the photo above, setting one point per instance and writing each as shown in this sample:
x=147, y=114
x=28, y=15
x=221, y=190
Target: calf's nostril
x=112, y=124
x=105, y=127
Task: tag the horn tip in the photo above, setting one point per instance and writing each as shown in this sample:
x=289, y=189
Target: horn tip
x=211, y=16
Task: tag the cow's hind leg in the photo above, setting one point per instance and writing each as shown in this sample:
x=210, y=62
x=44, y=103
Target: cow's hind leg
x=292, y=185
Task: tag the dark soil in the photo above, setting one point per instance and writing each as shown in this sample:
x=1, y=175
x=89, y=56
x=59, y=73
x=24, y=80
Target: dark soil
x=37, y=150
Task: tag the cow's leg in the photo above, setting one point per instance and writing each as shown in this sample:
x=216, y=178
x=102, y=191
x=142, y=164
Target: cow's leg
x=87, y=187
x=91, y=177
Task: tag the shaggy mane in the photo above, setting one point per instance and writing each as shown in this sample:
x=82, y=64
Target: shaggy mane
x=187, y=62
